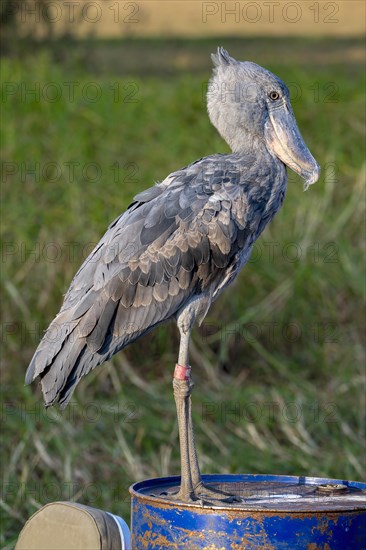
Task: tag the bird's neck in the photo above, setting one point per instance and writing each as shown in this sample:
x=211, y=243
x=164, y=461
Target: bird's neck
x=247, y=143
x=252, y=153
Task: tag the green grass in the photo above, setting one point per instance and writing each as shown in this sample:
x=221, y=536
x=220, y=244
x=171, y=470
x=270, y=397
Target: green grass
x=279, y=362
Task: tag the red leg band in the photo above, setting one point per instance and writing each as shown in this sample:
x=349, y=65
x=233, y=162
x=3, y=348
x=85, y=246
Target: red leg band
x=182, y=373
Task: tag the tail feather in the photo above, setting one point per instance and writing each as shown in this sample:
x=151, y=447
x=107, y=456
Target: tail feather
x=62, y=364
x=50, y=345
x=62, y=346
x=86, y=362
x=89, y=360
x=54, y=379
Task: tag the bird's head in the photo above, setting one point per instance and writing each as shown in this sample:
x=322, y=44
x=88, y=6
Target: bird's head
x=249, y=105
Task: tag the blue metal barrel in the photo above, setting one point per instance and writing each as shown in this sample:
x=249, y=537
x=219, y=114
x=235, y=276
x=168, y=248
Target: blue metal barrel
x=276, y=512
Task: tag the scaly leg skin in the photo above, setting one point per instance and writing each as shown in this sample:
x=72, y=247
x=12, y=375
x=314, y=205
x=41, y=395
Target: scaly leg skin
x=192, y=488
x=182, y=389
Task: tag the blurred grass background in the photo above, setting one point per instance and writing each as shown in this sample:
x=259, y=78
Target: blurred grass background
x=279, y=361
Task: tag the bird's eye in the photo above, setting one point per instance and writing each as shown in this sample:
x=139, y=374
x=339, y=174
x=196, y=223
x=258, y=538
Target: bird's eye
x=274, y=95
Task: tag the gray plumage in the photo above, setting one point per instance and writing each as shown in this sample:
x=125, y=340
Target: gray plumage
x=183, y=240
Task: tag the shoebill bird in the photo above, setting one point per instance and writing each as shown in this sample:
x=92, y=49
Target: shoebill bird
x=179, y=244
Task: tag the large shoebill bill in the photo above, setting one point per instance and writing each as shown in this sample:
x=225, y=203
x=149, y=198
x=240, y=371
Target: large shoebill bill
x=178, y=245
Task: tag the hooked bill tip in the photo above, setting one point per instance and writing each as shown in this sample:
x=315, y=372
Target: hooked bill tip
x=312, y=177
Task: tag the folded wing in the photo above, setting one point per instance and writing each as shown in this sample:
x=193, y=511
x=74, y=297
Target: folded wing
x=174, y=242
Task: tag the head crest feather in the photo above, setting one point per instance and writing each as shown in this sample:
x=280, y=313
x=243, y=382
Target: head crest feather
x=222, y=58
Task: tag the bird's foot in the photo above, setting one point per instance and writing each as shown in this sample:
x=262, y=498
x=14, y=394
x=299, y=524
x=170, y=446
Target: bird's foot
x=187, y=497
x=203, y=495
x=205, y=491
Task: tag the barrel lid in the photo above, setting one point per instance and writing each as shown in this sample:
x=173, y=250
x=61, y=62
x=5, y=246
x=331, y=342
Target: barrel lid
x=263, y=493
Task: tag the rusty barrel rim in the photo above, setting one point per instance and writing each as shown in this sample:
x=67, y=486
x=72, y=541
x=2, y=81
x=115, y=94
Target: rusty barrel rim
x=331, y=494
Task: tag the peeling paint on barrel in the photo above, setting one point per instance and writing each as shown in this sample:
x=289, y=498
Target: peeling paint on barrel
x=308, y=523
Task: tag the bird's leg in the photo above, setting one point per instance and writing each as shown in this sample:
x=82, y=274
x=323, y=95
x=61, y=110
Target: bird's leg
x=182, y=390
x=193, y=458
x=182, y=384
x=192, y=487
